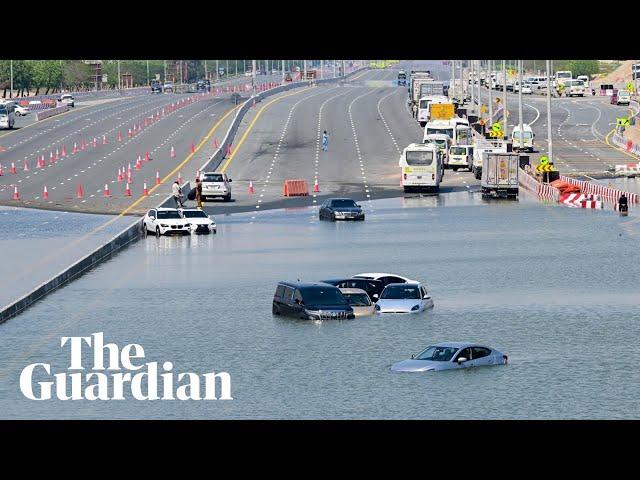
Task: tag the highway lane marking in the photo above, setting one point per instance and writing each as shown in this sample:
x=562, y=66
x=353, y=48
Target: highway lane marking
x=537, y=114
x=355, y=138
x=255, y=119
x=384, y=121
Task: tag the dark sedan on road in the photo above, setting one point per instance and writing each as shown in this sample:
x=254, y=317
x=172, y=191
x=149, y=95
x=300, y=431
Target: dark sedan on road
x=340, y=209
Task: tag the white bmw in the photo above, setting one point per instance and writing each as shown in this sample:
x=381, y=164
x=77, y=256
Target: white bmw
x=199, y=221
x=163, y=221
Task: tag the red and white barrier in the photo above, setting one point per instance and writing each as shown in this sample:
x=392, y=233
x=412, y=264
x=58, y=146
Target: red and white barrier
x=598, y=189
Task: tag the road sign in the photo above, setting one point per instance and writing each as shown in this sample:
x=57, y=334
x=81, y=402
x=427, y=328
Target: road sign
x=622, y=122
x=442, y=111
x=497, y=99
x=544, y=160
x=630, y=87
x=496, y=127
x=483, y=109
x=545, y=168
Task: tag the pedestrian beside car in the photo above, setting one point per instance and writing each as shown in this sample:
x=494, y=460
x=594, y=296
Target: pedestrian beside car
x=176, y=191
x=199, y=193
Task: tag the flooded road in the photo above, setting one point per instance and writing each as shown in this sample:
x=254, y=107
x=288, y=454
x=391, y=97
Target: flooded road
x=37, y=244
x=554, y=288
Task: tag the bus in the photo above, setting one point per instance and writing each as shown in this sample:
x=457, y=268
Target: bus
x=421, y=167
x=562, y=76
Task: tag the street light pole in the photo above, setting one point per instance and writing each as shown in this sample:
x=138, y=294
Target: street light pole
x=253, y=78
x=471, y=77
x=520, y=103
x=282, y=71
x=11, y=86
x=119, y=77
x=549, y=141
x=165, y=71
x=217, y=72
x=504, y=96
x=335, y=62
x=205, y=69
x=453, y=79
x=148, y=79
x=490, y=92
x=304, y=65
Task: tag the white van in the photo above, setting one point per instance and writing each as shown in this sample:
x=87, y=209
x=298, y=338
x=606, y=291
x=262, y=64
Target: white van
x=574, y=87
x=460, y=156
x=7, y=115
x=584, y=78
x=421, y=167
x=442, y=141
x=527, y=138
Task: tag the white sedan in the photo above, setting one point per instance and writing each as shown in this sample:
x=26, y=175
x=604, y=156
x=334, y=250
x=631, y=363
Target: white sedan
x=526, y=89
x=163, y=221
x=199, y=221
x=22, y=111
x=410, y=297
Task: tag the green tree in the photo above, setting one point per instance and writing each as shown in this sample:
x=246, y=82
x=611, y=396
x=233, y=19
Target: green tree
x=47, y=74
x=583, y=67
x=76, y=74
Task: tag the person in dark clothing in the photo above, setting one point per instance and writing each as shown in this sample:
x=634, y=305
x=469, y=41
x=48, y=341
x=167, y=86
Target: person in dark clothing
x=199, y=193
x=623, y=206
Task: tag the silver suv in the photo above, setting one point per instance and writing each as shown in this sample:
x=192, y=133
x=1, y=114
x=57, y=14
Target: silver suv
x=216, y=185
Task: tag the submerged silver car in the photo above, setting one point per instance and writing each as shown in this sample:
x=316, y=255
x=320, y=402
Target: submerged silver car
x=451, y=355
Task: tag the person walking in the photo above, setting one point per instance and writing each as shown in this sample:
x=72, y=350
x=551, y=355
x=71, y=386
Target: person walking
x=325, y=141
x=176, y=191
x=199, y=193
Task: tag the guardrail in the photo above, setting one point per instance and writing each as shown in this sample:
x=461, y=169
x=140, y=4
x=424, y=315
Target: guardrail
x=50, y=112
x=543, y=190
x=598, y=189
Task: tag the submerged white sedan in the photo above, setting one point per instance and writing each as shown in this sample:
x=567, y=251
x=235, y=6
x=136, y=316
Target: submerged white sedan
x=449, y=356
x=410, y=297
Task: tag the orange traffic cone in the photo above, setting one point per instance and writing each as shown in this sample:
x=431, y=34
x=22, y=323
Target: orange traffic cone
x=26, y=167
x=129, y=133
x=16, y=195
x=13, y=168
x=138, y=164
x=173, y=152
x=83, y=145
x=157, y=178
x=64, y=150
x=316, y=187
x=106, y=192
x=250, y=187
x=119, y=136
x=104, y=140
x=45, y=194
x=147, y=157
x=228, y=150
x=145, y=190
x=75, y=147
x=127, y=191
x=179, y=177
x=95, y=142
x=193, y=148
x=51, y=158
x=120, y=175
x=79, y=191
x=57, y=157
x=0, y=169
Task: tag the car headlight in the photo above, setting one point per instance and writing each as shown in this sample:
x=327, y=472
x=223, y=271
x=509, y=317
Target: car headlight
x=415, y=307
x=163, y=225
x=377, y=307
x=188, y=225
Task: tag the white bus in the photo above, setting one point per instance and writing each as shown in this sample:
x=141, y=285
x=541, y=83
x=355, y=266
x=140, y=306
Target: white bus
x=423, y=107
x=421, y=167
x=562, y=76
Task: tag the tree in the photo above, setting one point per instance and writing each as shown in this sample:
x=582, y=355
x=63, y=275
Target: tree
x=583, y=67
x=76, y=73
x=47, y=74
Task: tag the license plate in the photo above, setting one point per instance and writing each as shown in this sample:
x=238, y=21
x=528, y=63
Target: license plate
x=419, y=177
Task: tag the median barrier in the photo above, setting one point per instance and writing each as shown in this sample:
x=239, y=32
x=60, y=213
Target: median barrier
x=598, y=189
x=295, y=188
x=50, y=112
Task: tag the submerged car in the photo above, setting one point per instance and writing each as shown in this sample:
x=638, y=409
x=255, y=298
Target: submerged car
x=372, y=287
x=199, y=221
x=449, y=356
x=311, y=301
x=164, y=221
x=359, y=301
x=340, y=209
x=407, y=297
x=385, y=278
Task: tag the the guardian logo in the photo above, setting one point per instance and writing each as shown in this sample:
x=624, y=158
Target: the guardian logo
x=115, y=380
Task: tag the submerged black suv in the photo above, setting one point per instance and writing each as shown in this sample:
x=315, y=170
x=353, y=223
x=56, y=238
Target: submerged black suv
x=311, y=301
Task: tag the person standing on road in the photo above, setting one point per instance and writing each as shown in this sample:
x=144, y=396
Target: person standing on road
x=176, y=191
x=414, y=110
x=325, y=141
x=623, y=206
x=199, y=193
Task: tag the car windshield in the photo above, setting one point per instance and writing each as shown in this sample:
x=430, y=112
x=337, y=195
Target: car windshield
x=419, y=158
x=213, y=177
x=437, y=354
x=445, y=131
x=3, y=110
x=194, y=214
x=458, y=151
x=323, y=296
x=168, y=214
x=526, y=135
x=343, y=203
x=401, y=292
x=358, y=299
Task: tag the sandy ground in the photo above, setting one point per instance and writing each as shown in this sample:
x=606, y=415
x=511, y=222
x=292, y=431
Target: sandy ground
x=620, y=76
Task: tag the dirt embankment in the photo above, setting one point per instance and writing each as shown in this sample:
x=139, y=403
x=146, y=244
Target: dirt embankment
x=620, y=76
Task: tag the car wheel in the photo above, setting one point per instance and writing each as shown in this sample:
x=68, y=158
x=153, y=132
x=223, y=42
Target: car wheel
x=333, y=217
x=144, y=229
x=227, y=198
x=158, y=232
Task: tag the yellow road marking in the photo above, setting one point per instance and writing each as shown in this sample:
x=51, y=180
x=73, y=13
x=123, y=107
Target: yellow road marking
x=250, y=127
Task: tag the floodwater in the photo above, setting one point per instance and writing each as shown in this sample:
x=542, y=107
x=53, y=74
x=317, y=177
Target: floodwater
x=554, y=288
x=37, y=244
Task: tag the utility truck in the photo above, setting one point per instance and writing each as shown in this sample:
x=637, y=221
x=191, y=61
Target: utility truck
x=500, y=175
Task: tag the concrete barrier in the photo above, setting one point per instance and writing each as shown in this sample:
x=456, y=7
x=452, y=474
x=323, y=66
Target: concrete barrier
x=50, y=112
x=82, y=266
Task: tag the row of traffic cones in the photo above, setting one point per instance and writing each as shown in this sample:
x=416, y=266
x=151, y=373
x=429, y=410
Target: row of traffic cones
x=80, y=191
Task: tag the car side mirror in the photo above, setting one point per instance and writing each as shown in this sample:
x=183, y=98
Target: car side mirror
x=152, y=217
x=229, y=180
x=413, y=356
x=461, y=360
x=375, y=296
x=359, y=206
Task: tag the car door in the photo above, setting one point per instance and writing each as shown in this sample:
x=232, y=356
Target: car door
x=297, y=304
x=150, y=220
x=481, y=356
x=425, y=296
x=466, y=353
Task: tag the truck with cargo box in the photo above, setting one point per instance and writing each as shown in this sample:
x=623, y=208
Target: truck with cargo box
x=500, y=175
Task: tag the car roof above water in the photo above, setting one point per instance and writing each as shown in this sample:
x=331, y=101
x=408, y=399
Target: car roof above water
x=456, y=344
x=303, y=285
